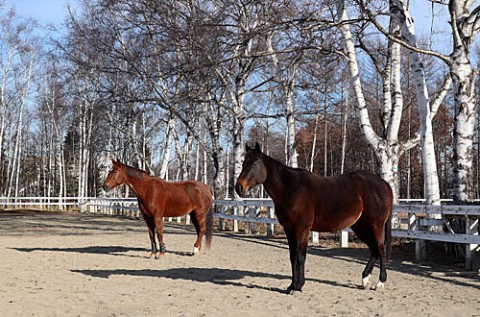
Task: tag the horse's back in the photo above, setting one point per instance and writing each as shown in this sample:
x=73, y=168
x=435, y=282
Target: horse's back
x=372, y=187
x=198, y=193
x=340, y=201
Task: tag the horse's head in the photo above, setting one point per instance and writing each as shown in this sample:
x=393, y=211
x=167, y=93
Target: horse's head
x=253, y=172
x=115, y=177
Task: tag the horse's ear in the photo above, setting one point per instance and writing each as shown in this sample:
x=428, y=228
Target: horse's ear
x=250, y=147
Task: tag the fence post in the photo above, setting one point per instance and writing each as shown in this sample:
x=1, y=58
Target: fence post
x=344, y=238
x=472, y=254
x=252, y=213
x=420, y=245
x=222, y=220
x=235, y=221
x=271, y=226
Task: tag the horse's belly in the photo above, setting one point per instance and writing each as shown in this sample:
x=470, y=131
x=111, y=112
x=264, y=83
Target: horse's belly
x=330, y=224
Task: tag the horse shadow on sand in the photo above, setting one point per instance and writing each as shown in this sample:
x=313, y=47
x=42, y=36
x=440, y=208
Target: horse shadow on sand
x=106, y=250
x=218, y=276
x=402, y=261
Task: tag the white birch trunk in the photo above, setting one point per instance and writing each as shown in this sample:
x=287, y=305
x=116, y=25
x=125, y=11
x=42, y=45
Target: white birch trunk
x=86, y=128
x=167, y=148
x=465, y=27
x=287, y=83
x=344, y=131
x=314, y=143
x=384, y=150
x=325, y=136
x=291, y=143
x=25, y=87
x=3, y=106
x=238, y=141
x=183, y=154
x=431, y=183
x=212, y=122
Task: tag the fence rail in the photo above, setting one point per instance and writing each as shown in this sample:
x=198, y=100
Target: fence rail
x=416, y=217
x=416, y=221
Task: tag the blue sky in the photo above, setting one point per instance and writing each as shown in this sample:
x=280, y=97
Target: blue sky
x=44, y=11
x=54, y=11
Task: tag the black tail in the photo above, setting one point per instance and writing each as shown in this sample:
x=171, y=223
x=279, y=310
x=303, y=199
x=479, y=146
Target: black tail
x=209, y=231
x=388, y=237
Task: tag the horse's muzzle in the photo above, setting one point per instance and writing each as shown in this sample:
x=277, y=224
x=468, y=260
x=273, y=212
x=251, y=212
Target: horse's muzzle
x=240, y=189
x=106, y=187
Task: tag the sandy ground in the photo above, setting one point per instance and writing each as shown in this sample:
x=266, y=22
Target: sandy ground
x=55, y=264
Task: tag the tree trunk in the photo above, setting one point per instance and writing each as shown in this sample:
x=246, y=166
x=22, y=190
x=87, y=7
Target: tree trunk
x=386, y=150
x=17, y=153
x=464, y=126
x=344, y=130
x=431, y=183
x=167, y=148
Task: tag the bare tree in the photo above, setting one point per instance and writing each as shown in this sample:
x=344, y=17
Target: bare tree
x=464, y=17
x=386, y=145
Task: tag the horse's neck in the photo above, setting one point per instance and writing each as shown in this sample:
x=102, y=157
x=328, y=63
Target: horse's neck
x=275, y=183
x=136, y=182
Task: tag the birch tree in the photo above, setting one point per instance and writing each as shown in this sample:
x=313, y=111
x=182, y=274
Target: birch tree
x=464, y=23
x=386, y=146
x=23, y=88
x=400, y=14
x=19, y=52
x=285, y=74
x=55, y=116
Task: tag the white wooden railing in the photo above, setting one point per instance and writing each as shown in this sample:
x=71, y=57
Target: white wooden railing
x=415, y=221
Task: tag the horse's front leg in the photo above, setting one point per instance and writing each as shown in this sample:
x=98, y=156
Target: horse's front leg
x=159, y=227
x=151, y=234
x=297, y=245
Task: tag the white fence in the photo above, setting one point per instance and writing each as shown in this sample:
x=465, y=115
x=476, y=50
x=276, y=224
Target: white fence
x=415, y=221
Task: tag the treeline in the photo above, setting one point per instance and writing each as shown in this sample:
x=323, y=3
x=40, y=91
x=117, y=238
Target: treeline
x=177, y=88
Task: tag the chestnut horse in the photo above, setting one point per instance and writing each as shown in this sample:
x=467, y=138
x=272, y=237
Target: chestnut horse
x=158, y=198
x=304, y=201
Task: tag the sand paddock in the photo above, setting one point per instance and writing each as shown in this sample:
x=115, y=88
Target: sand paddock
x=59, y=264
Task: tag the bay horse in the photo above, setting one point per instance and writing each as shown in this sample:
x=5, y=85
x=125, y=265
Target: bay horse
x=305, y=201
x=158, y=198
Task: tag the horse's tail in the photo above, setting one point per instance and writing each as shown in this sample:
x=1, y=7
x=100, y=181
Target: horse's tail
x=209, y=231
x=388, y=236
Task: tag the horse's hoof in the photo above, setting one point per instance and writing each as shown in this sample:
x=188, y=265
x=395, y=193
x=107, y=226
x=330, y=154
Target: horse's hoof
x=294, y=292
x=379, y=286
x=365, y=281
x=196, y=251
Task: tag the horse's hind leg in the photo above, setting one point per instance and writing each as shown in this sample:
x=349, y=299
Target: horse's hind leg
x=383, y=270
x=375, y=245
x=200, y=227
x=367, y=272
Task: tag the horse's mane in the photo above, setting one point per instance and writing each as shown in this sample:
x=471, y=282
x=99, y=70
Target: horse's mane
x=281, y=166
x=135, y=172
